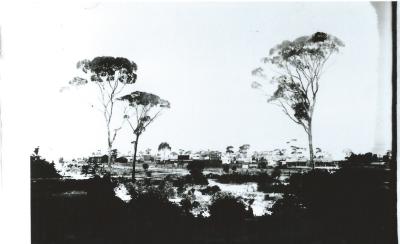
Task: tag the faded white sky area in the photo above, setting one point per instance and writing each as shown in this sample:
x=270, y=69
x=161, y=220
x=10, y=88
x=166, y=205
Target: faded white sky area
x=199, y=56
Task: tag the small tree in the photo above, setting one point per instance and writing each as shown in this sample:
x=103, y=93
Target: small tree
x=244, y=148
x=110, y=75
x=300, y=64
x=114, y=154
x=143, y=108
x=262, y=165
x=234, y=168
x=229, y=149
x=41, y=168
x=164, y=147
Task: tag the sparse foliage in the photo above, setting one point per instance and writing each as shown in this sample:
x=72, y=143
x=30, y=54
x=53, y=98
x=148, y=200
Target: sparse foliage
x=143, y=108
x=300, y=65
x=110, y=75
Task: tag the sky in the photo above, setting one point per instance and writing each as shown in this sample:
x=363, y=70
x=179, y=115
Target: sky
x=198, y=56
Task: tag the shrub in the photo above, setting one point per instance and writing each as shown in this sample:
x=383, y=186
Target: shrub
x=121, y=160
x=227, y=211
x=210, y=190
x=225, y=168
x=40, y=168
x=196, y=174
x=234, y=168
x=262, y=165
x=276, y=173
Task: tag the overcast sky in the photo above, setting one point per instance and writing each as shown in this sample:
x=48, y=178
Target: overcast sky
x=200, y=58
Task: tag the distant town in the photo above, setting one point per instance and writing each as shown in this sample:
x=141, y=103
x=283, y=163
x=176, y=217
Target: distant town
x=290, y=157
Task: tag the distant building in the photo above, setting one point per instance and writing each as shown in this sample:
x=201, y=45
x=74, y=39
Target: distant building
x=98, y=159
x=183, y=157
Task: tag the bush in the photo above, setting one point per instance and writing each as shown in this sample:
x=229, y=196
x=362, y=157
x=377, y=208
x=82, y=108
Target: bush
x=93, y=167
x=262, y=165
x=152, y=212
x=289, y=205
x=225, y=168
x=196, y=174
x=276, y=173
x=262, y=178
x=210, y=190
x=187, y=205
x=234, y=168
x=357, y=200
x=121, y=160
x=227, y=213
x=40, y=168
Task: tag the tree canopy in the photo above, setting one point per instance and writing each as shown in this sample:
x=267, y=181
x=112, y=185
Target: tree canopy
x=244, y=148
x=164, y=146
x=300, y=65
x=142, y=104
x=106, y=68
x=146, y=99
x=229, y=149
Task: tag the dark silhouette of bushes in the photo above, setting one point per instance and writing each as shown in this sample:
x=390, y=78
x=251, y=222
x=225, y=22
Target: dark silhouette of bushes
x=227, y=215
x=72, y=211
x=92, y=168
x=362, y=158
x=40, y=168
x=210, y=190
x=353, y=204
x=187, y=205
x=350, y=206
x=226, y=209
x=196, y=174
x=225, y=168
x=236, y=178
x=121, y=160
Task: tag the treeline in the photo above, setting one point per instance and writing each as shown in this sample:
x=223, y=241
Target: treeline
x=367, y=158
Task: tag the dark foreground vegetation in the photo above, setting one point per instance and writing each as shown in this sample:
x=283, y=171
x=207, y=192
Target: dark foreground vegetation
x=349, y=206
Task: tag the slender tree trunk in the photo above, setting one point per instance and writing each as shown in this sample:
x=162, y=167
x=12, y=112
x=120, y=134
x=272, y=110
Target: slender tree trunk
x=134, y=159
x=310, y=145
x=109, y=160
x=109, y=143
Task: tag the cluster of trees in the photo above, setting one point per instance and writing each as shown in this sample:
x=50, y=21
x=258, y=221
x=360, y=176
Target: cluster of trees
x=111, y=76
x=368, y=157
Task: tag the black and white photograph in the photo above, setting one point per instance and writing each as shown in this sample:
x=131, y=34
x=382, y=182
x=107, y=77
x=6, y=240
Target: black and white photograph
x=198, y=122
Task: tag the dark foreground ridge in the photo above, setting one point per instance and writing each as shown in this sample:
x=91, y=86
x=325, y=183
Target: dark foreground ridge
x=352, y=205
